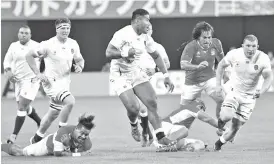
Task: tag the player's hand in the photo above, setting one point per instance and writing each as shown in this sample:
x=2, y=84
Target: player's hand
x=131, y=52
x=202, y=65
x=150, y=71
x=10, y=76
x=256, y=94
x=219, y=91
x=86, y=153
x=168, y=84
x=77, y=68
x=42, y=78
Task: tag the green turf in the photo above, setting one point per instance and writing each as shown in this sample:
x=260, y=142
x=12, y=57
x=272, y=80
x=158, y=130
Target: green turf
x=112, y=142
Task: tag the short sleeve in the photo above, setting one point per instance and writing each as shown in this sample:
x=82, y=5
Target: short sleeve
x=266, y=62
x=188, y=52
x=42, y=49
x=228, y=59
x=118, y=40
x=77, y=53
x=8, y=57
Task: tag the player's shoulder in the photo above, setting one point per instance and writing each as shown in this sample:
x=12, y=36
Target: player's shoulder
x=191, y=45
x=216, y=41
x=125, y=30
x=49, y=41
x=65, y=129
x=235, y=51
x=33, y=43
x=72, y=41
x=263, y=56
x=15, y=44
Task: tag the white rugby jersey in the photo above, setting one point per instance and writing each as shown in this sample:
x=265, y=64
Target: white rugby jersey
x=58, y=56
x=146, y=61
x=245, y=74
x=16, y=59
x=128, y=37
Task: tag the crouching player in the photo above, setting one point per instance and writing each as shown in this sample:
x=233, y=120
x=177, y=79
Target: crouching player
x=177, y=124
x=67, y=141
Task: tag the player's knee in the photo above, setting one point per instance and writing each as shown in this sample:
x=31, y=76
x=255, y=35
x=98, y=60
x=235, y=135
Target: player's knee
x=152, y=103
x=227, y=112
x=23, y=104
x=183, y=132
x=69, y=101
x=236, y=124
x=132, y=107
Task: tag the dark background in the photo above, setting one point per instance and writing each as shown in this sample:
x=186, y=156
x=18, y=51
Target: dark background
x=94, y=35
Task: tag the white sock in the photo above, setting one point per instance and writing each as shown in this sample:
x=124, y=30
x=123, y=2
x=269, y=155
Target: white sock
x=40, y=134
x=63, y=124
x=143, y=114
x=222, y=139
x=30, y=110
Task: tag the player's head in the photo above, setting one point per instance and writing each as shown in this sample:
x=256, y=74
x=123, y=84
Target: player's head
x=62, y=26
x=24, y=34
x=82, y=130
x=199, y=104
x=203, y=33
x=250, y=45
x=140, y=21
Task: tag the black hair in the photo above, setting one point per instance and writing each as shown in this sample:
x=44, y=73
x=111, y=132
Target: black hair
x=86, y=121
x=196, y=32
x=139, y=12
x=62, y=20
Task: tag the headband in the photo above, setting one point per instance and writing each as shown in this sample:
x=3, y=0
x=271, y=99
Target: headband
x=62, y=25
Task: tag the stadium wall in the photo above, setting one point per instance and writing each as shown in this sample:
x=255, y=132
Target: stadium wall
x=97, y=84
x=94, y=35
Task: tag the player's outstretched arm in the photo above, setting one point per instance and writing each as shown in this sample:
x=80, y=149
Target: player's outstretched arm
x=268, y=78
x=162, y=67
x=220, y=71
x=30, y=58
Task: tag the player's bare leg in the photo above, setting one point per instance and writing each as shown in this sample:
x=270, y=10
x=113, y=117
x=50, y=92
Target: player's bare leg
x=12, y=149
x=23, y=107
x=46, y=121
x=132, y=106
x=219, y=101
x=147, y=137
x=229, y=134
x=226, y=114
x=147, y=95
x=68, y=103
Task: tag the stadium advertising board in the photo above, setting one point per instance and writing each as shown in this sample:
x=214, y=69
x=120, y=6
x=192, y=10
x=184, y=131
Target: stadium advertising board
x=97, y=84
x=105, y=9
